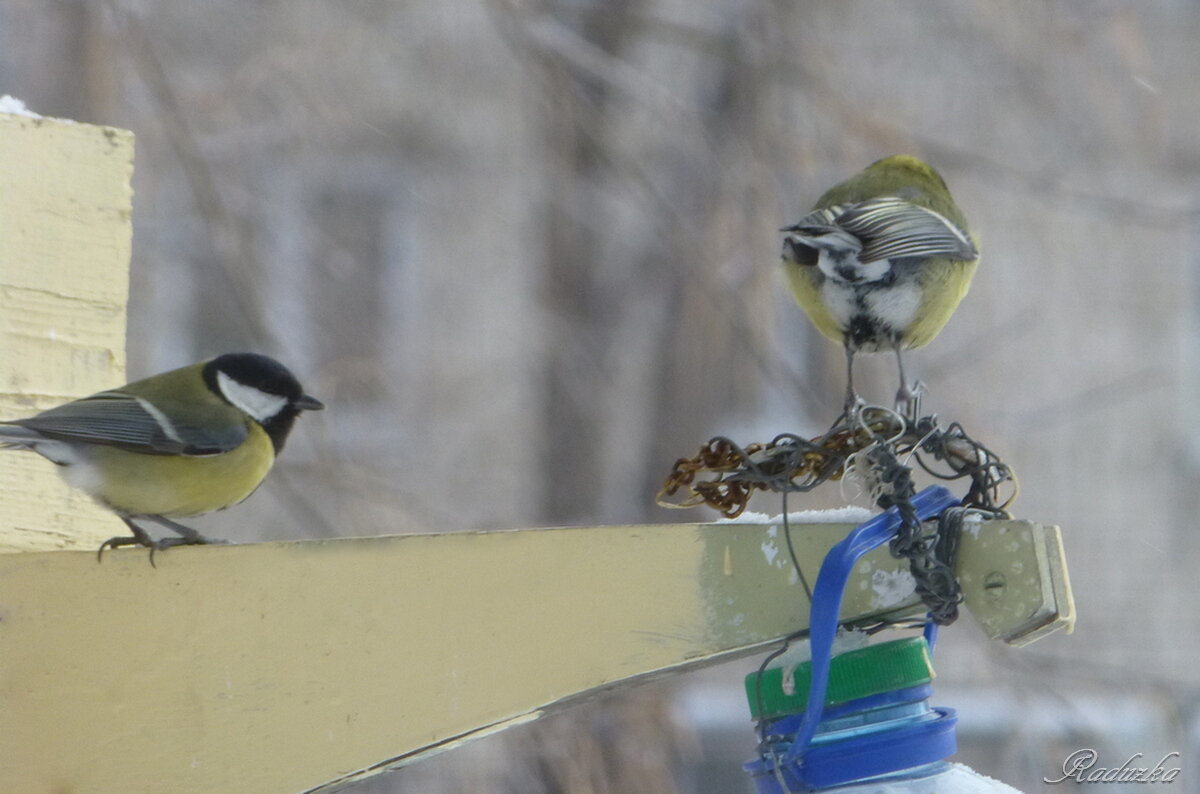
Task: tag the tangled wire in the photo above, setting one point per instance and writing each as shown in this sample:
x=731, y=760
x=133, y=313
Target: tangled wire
x=871, y=442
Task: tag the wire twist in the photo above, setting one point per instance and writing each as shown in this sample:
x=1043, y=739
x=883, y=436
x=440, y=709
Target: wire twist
x=872, y=442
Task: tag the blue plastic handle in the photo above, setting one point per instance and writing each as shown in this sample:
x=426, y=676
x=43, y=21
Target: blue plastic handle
x=827, y=599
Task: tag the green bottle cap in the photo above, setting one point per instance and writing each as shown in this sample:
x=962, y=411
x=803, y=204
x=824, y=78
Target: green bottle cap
x=888, y=666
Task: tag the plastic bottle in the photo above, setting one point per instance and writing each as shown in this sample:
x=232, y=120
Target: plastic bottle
x=877, y=733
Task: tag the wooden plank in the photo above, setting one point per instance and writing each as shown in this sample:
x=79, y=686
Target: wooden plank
x=1014, y=579
x=64, y=276
x=285, y=667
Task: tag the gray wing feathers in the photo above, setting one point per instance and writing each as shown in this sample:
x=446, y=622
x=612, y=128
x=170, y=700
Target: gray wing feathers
x=123, y=420
x=892, y=228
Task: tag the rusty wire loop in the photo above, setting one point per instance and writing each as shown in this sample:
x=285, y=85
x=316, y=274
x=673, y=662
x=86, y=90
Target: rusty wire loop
x=872, y=442
x=724, y=475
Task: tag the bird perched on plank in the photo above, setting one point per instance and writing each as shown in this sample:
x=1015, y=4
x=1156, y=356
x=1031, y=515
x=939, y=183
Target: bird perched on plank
x=178, y=444
x=881, y=263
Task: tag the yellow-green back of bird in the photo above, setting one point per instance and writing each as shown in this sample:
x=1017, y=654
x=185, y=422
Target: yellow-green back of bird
x=876, y=274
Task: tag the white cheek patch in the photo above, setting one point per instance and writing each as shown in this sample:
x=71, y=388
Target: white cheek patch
x=256, y=402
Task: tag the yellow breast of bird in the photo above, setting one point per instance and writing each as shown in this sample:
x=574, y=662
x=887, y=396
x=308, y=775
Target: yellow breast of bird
x=177, y=486
x=942, y=285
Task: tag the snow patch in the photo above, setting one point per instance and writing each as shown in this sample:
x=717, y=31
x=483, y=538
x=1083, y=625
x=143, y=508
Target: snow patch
x=972, y=522
x=849, y=514
x=15, y=107
x=891, y=587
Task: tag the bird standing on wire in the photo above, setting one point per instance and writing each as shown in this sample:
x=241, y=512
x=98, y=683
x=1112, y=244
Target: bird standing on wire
x=181, y=443
x=881, y=263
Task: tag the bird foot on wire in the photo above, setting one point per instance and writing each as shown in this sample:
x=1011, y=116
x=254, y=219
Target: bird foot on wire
x=852, y=408
x=908, y=401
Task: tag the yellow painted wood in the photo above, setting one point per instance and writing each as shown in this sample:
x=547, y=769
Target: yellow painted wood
x=1014, y=577
x=64, y=277
x=284, y=667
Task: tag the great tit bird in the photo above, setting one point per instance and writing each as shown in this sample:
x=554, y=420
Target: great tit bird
x=881, y=263
x=182, y=443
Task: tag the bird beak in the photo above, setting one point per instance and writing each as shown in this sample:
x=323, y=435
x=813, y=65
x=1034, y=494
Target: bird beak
x=306, y=403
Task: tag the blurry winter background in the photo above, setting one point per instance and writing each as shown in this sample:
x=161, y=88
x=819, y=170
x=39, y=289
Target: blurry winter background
x=526, y=250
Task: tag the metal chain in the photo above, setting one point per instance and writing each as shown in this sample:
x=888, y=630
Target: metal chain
x=870, y=441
